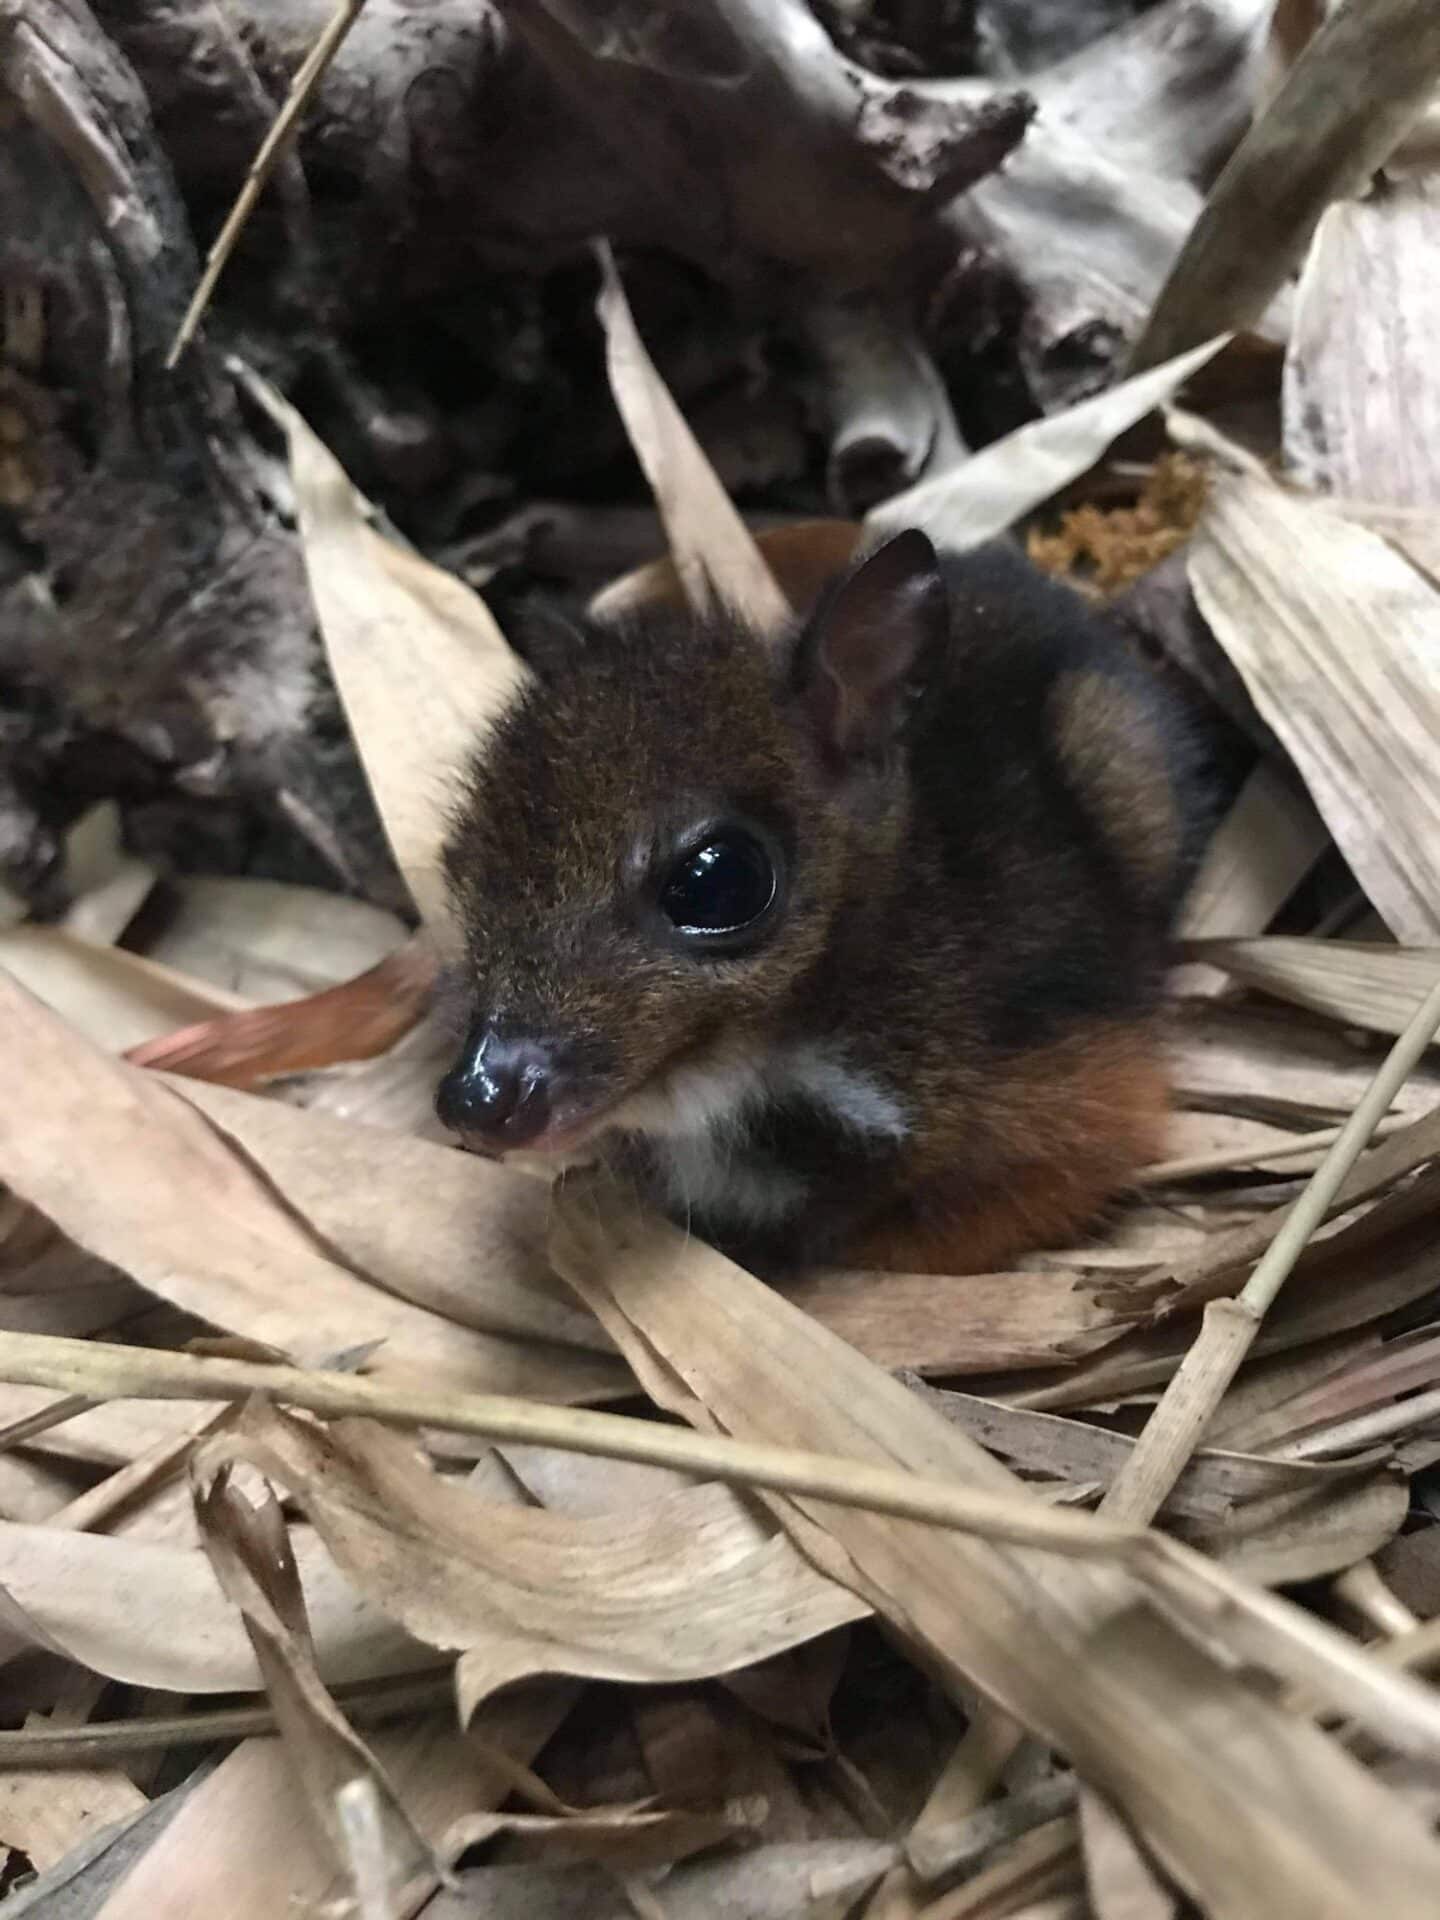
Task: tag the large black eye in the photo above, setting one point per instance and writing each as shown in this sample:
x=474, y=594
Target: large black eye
x=721, y=886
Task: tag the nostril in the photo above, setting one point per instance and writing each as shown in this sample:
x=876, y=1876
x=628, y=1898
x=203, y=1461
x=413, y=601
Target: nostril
x=498, y=1090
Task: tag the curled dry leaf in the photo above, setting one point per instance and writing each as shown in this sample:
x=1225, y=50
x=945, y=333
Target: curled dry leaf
x=458, y=1235
x=681, y=1588
x=115, y=998
x=134, y=1174
x=357, y=1020
x=418, y=662
x=1338, y=640
x=251, y=1554
x=713, y=550
x=988, y=493
x=1351, y=95
x=1362, y=410
x=154, y=1616
x=1266, y=844
x=268, y=939
x=1076, y=1653
x=1363, y=983
x=1306, y=1533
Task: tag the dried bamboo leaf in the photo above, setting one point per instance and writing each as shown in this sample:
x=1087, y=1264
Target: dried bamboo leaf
x=1339, y=112
x=357, y=1020
x=1361, y=410
x=626, y=1839
x=786, y=1881
x=1121, y=1882
x=723, y=1350
x=133, y=1174
x=1364, y=983
x=990, y=491
x=154, y=1616
x=1307, y=1534
x=244, y=1844
x=1372, y=1379
x=804, y=558
x=1338, y=639
x=115, y=998
x=253, y=1561
x=712, y=548
x=419, y=664
x=460, y=1236
x=1273, y=1063
x=1262, y=849
x=979, y=1323
x=1213, y=1485
x=107, y=885
x=45, y=1814
x=678, y=1589
x=269, y=940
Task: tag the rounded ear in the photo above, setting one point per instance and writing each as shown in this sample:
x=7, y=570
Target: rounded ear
x=870, y=645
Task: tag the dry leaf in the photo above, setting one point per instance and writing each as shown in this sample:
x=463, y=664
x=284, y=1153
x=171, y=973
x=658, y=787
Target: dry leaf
x=133, y=1174
x=1268, y=1062
x=1074, y=1651
x=682, y=1588
x=1266, y=844
x=114, y=998
x=419, y=664
x=1307, y=1533
x=461, y=1236
x=781, y=1882
x=974, y=1323
x=251, y=1554
x=269, y=940
x=804, y=558
x=244, y=1845
x=990, y=491
x=712, y=548
x=1353, y=92
x=1121, y=1882
x=154, y=1616
x=357, y=1020
x=107, y=885
x=1363, y=983
x=1361, y=418
x=1338, y=640
x=45, y=1812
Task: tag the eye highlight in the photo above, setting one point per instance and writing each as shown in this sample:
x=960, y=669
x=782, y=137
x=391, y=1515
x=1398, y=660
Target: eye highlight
x=720, y=888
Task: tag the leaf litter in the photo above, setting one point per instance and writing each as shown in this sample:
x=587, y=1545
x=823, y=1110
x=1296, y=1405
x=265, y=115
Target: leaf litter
x=259, y=1169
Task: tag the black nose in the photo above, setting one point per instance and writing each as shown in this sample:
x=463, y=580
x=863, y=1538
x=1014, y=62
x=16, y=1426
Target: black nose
x=498, y=1091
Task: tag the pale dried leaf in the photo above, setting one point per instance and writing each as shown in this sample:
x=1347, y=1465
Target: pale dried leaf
x=419, y=664
x=1275, y=1064
x=1362, y=409
x=1044, y=1638
x=678, y=1589
x=115, y=998
x=1121, y=1882
x=1213, y=1485
x=987, y=493
x=1266, y=844
x=154, y=1616
x=781, y=1882
x=357, y=1021
x=107, y=885
x=191, y=1220
x=1365, y=984
x=268, y=940
x=1338, y=640
x=1306, y=1534
x=1339, y=111
x=244, y=1845
x=458, y=1235
x=712, y=548
x=253, y=1561
x=46, y=1812
x=974, y=1323
x=625, y=1839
